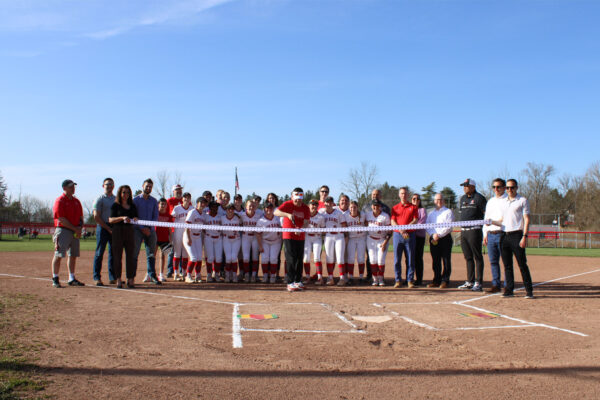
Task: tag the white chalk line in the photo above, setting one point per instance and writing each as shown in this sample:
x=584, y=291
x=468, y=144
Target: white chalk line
x=412, y=321
x=523, y=287
x=300, y=330
x=236, y=328
x=340, y=316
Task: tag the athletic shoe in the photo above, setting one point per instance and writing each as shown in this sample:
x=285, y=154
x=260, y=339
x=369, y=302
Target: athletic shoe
x=529, y=296
x=188, y=279
x=306, y=279
x=147, y=278
x=397, y=285
x=247, y=277
x=319, y=282
x=273, y=279
x=198, y=279
x=235, y=278
x=55, y=282
x=330, y=281
x=291, y=287
x=75, y=282
x=99, y=283
x=375, y=281
x=253, y=279
x=342, y=281
x=209, y=279
x=433, y=284
x=381, y=281
x=300, y=285
x=443, y=285
x=169, y=275
x=477, y=287
x=179, y=278
x=466, y=285
x=161, y=278
x=155, y=281
x=508, y=293
x=411, y=284
x=493, y=289
x=265, y=278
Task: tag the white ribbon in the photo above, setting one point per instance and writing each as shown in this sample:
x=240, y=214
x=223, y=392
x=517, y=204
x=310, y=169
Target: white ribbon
x=462, y=224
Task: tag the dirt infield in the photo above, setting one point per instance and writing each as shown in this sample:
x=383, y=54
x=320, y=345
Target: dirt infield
x=186, y=341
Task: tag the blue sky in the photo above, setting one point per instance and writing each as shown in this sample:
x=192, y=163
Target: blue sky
x=294, y=92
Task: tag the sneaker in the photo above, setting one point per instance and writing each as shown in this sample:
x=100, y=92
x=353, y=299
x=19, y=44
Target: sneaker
x=291, y=287
x=466, y=285
x=265, y=278
x=55, y=282
x=529, y=296
x=342, y=282
x=169, y=275
x=300, y=285
x=247, y=277
x=147, y=279
x=330, y=281
x=319, y=282
x=493, y=289
x=397, y=285
x=375, y=281
x=188, y=279
x=161, y=278
x=273, y=279
x=178, y=278
x=508, y=293
x=381, y=281
x=75, y=282
x=477, y=287
x=209, y=279
x=235, y=278
x=99, y=283
x=433, y=284
x=155, y=281
x=198, y=279
x=253, y=279
x=443, y=285
x=411, y=284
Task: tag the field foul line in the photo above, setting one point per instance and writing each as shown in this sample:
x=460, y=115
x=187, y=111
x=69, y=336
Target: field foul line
x=523, y=287
x=236, y=333
x=340, y=316
x=523, y=321
x=300, y=330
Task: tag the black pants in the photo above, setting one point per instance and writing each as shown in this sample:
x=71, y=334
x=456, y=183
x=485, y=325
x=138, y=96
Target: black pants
x=418, y=257
x=122, y=238
x=470, y=242
x=441, y=254
x=294, y=252
x=509, y=245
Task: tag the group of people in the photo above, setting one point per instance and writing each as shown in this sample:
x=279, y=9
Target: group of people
x=183, y=251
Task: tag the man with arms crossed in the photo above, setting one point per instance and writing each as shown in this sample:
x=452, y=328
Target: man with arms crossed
x=68, y=220
x=494, y=210
x=101, y=211
x=147, y=208
x=295, y=214
x=471, y=208
x=514, y=239
x=440, y=243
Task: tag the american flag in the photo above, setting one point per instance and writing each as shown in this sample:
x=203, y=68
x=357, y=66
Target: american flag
x=237, y=182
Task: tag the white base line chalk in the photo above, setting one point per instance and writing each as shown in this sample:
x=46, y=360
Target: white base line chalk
x=236, y=328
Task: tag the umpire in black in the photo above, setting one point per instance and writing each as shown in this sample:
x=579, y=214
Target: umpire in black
x=470, y=208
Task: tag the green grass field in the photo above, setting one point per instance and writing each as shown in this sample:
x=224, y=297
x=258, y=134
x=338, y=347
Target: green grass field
x=44, y=243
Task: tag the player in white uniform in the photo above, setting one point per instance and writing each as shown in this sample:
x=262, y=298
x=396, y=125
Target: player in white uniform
x=231, y=243
x=356, y=243
x=269, y=244
x=313, y=242
x=344, y=207
x=213, y=243
x=192, y=241
x=249, y=242
x=180, y=255
x=377, y=241
x=334, y=240
x=224, y=200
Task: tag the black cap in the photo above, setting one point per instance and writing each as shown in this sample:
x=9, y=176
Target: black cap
x=376, y=202
x=329, y=199
x=67, y=183
x=213, y=204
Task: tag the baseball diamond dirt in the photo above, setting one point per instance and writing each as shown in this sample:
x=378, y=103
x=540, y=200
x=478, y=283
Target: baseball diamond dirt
x=182, y=340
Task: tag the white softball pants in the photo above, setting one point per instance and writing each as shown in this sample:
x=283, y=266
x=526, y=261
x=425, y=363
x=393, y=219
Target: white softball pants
x=334, y=248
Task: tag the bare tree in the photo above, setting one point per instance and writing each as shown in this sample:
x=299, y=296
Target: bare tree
x=89, y=216
x=361, y=181
x=537, y=185
x=162, y=183
x=35, y=210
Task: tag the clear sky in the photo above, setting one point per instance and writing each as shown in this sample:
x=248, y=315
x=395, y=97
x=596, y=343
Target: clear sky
x=294, y=92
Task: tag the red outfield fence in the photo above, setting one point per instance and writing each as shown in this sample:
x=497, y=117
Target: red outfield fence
x=552, y=239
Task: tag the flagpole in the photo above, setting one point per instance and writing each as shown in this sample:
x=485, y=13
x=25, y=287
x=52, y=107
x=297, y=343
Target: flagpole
x=236, y=182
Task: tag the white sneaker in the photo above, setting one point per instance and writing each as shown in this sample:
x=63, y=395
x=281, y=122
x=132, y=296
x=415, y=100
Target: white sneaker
x=162, y=278
x=300, y=285
x=375, y=281
x=273, y=278
x=147, y=278
x=466, y=285
x=188, y=279
x=381, y=281
x=477, y=287
x=291, y=287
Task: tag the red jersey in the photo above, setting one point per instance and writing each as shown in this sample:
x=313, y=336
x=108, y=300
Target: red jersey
x=69, y=208
x=300, y=214
x=172, y=202
x=403, y=214
x=162, y=233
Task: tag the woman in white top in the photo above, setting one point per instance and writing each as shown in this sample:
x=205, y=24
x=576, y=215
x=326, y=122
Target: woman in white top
x=249, y=242
x=231, y=243
x=313, y=242
x=213, y=243
x=334, y=240
x=377, y=241
x=192, y=240
x=180, y=255
x=357, y=243
x=269, y=243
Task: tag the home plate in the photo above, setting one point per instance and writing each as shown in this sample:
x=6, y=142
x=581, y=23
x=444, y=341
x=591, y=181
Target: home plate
x=372, y=318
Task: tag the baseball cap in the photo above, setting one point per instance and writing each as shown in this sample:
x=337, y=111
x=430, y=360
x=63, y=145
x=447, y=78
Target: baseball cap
x=468, y=182
x=329, y=199
x=177, y=187
x=376, y=202
x=314, y=201
x=67, y=183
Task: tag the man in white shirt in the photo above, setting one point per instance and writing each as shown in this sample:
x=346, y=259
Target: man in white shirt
x=440, y=243
x=515, y=223
x=492, y=234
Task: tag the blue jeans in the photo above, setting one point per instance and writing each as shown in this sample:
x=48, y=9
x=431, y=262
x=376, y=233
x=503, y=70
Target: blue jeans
x=102, y=239
x=150, y=242
x=406, y=246
x=494, y=253
x=170, y=263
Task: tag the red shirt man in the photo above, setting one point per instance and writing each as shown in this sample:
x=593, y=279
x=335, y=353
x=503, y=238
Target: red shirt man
x=67, y=207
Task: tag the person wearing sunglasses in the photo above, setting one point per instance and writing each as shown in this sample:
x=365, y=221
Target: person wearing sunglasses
x=515, y=223
x=323, y=194
x=492, y=234
x=471, y=208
